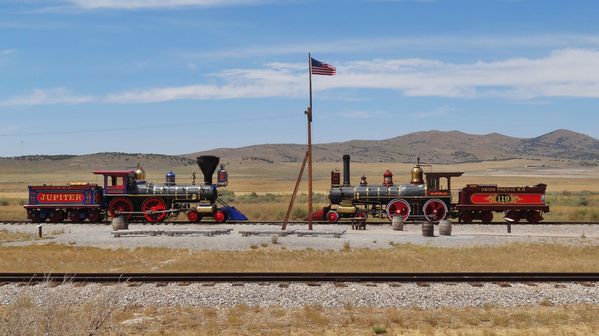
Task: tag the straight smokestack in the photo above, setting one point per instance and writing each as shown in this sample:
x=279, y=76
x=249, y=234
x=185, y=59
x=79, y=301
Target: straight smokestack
x=346, y=173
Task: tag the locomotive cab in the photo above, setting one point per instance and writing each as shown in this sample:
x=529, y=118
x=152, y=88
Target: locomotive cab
x=117, y=181
x=439, y=184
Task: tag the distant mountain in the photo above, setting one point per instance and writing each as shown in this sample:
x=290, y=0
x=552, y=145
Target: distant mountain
x=430, y=146
x=106, y=160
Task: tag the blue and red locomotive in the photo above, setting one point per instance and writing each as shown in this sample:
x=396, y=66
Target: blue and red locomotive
x=126, y=192
x=428, y=196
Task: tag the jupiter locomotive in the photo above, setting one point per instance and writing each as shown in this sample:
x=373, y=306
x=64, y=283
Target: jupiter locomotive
x=127, y=193
x=428, y=196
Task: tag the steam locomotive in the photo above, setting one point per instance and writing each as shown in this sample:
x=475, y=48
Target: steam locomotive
x=127, y=193
x=428, y=196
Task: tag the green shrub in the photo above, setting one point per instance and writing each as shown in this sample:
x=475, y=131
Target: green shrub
x=583, y=201
x=379, y=330
x=300, y=213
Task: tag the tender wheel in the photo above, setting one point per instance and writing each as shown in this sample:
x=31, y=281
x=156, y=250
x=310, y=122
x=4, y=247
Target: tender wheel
x=435, y=210
x=332, y=216
x=486, y=217
x=194, y=216
x=533, y=217
x=74, y=216
x=120, y=204
x=220, y=216
x=398, y=207
x=466, y=217
x=94, y=216
x=154, y=204
x=36, y=216
x=361, y=217
x=56, y=216
x=513, y=215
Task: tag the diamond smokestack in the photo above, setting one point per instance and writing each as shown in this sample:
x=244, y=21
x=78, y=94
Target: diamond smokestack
x=208, y=164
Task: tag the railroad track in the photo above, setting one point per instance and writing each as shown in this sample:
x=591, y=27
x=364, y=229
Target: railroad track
x=24, y=222
x=300, y=277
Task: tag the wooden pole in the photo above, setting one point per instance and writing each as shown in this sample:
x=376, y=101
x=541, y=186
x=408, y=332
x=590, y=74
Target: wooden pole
x=297, y=183
x=309, y=112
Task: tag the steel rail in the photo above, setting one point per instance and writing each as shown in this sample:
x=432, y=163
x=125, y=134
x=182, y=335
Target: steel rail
x=297, y=277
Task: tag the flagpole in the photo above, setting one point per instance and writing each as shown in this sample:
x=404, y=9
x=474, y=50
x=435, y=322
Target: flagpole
x=309, y=112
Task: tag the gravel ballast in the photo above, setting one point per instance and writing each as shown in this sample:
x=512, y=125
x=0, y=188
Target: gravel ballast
x=299, y=294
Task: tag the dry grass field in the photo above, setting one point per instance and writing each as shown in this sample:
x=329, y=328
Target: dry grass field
x=102, y=317
x=273, y=258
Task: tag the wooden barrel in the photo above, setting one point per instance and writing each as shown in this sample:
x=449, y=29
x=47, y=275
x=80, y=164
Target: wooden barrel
x=428, y=229
x=119, y=223
x=445, y=228
x=397, y=223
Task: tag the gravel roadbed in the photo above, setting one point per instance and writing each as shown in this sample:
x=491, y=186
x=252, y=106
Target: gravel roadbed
x=375, y=236
x=299, y=295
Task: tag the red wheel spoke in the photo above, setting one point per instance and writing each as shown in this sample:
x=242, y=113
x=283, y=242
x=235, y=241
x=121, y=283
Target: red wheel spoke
x=435, y=210
x=153, y=208
x=119, y=205
x=398, y=207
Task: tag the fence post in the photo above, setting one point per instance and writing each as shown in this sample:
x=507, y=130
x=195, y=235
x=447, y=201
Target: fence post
x=39, y=230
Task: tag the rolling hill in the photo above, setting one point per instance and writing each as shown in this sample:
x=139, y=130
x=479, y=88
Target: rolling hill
x=431, y=146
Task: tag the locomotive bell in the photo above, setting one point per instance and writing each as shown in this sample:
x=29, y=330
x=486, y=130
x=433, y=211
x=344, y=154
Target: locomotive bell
x=417, y=174
x=140, y=173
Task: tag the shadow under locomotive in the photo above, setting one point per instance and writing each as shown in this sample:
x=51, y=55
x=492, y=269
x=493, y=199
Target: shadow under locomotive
x=127, y=193
x=428, y=196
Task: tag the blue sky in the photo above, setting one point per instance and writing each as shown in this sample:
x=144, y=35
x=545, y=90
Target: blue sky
x=179, y=76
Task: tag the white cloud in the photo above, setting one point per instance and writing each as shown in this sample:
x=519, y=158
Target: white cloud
x=460, y=43
x=438, y=112
x=277, y=80
x=562, y=73
x=360, y=114
x=6, y=52
x=7, y=130
x=46, y=97
x=138, y=4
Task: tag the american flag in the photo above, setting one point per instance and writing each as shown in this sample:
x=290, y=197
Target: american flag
x=319, y=68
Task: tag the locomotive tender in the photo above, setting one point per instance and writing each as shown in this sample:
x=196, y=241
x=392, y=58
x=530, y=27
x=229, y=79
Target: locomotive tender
x=428, y=196
x=127, y=193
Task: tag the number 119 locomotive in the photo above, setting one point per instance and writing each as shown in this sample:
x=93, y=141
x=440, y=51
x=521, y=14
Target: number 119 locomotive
x=428, y=196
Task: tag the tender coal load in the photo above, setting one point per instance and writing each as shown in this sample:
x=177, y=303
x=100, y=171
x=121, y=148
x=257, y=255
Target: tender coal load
x=208, y=164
